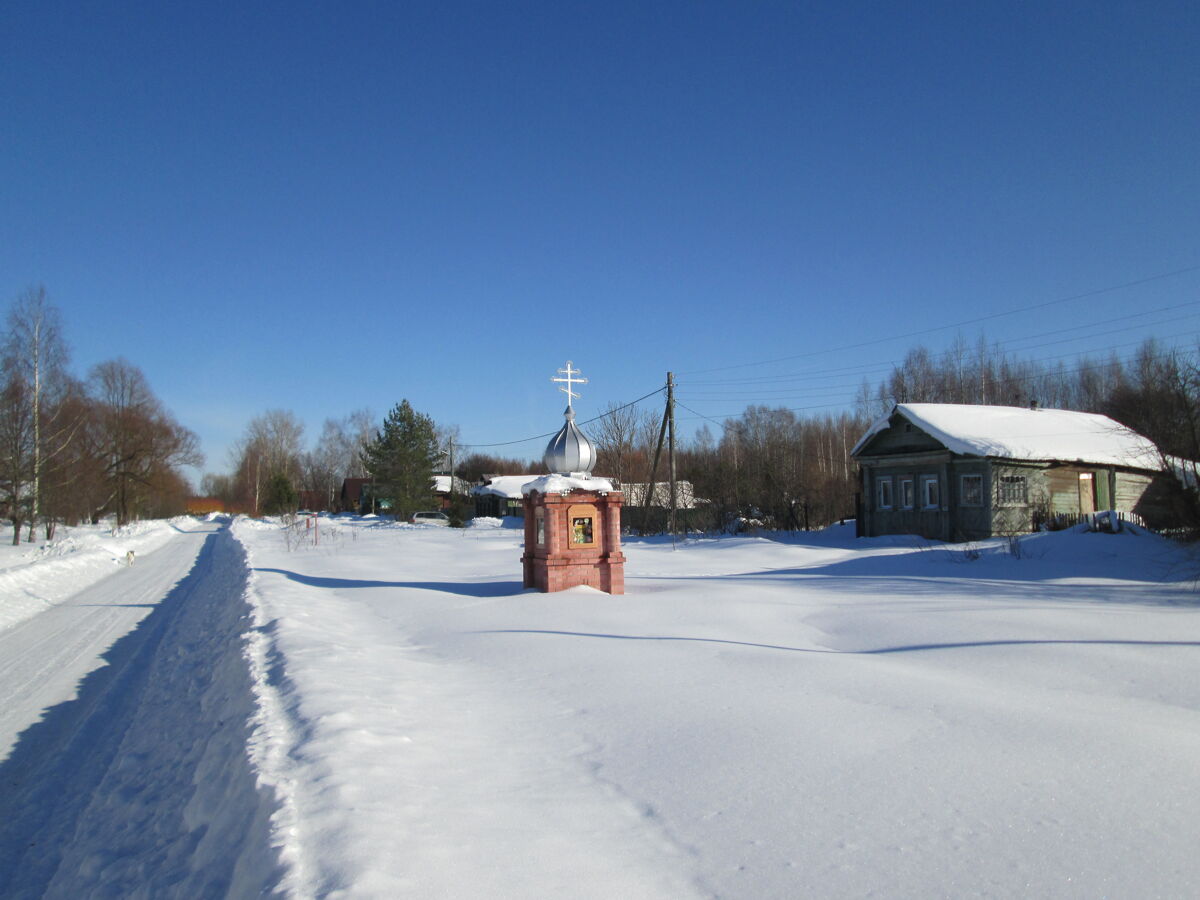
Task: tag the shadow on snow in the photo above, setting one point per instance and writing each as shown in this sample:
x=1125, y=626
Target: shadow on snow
x=465, y=588
x=906, y=648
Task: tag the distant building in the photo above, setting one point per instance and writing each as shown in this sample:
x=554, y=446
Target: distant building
x=357, y=493
x=635, y=494
x=500, y=495
x=690, y=513
x=441, y=489
x=956, y=472
x=351, y=497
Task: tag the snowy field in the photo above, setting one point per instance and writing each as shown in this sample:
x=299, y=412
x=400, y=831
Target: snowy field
x=818, y=717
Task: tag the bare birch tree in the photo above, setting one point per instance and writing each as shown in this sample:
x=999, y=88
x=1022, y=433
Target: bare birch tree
x=35, y=355
x=616, y=434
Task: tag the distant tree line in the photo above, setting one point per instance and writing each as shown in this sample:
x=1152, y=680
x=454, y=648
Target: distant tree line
x=270, y=467
x=73, y=450
x=272, y=473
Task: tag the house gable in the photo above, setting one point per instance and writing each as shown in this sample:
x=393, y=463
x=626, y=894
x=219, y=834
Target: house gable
x=898, y=437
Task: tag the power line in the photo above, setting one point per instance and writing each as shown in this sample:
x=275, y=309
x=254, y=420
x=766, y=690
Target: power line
x=785, y=392
x=549, y=434
x=1081, y=296
x=1009, y=379
x=866, y=368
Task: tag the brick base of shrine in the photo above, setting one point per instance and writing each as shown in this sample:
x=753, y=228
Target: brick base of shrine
x=573, y=539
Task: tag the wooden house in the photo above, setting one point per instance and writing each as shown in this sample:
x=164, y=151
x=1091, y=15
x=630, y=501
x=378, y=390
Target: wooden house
x=954, y=472
x=500, y=495
x=353, y=494
x=443, y=491
x=357, y=493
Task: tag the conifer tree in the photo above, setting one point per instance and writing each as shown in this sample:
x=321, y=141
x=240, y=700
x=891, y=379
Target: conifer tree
x=401, y=458
x=281, y=496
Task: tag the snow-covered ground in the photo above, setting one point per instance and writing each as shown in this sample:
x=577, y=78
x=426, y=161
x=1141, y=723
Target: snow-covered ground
x=754, y=718
x=41, y=574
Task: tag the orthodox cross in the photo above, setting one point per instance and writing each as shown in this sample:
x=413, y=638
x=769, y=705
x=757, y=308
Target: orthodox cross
x=573, y=377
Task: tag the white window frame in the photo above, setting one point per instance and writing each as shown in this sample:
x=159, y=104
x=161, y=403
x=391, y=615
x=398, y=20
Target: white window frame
x=908, y=493
x=1023, y=480
x=883, y=485
x=934, y=502
x=962, y=486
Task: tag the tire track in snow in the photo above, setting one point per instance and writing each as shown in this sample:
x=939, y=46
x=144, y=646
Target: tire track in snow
x=141, y=786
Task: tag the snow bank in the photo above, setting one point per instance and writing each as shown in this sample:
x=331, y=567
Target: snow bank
x=485, y=522
x=36, y=576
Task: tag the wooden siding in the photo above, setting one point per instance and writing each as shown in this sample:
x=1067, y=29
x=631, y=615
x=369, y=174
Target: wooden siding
x=1079, y=489
x=900, y=437
x=970, y=523
x=1131, y=487
x=1157, y=499
x=1012, y=516
x=900, y=519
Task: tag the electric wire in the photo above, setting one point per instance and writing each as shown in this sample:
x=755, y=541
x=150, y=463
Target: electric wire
x=871, y=368
x=800, y=391
x=549, y=434
x=866, y=368
x=1035, y=306
x=1010, y=379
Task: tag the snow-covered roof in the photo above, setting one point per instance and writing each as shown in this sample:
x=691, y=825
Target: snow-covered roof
x=441, y=484
x=559, y=484
x=1014, y=432
x=505, y=485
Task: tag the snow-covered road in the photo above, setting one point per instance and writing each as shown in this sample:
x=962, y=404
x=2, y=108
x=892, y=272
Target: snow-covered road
x=43, y=659
x=123, y=726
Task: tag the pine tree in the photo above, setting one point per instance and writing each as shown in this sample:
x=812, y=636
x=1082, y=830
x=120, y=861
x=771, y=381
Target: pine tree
x=281, y=496
x=401, y=458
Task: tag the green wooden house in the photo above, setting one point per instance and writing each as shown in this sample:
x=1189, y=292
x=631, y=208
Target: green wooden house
x=956, y=472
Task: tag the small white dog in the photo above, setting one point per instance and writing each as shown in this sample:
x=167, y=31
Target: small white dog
x=129, y=557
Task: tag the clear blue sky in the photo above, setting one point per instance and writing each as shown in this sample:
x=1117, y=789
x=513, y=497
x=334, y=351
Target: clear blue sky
x=321, y=207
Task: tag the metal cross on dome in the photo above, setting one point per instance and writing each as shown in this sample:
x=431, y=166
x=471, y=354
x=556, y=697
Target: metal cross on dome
x=570, y=380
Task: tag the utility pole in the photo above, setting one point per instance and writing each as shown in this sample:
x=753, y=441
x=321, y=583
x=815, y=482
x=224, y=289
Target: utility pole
x=671, y=445
x=662, y=433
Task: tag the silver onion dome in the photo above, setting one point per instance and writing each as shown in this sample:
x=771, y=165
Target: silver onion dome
x=570, y=451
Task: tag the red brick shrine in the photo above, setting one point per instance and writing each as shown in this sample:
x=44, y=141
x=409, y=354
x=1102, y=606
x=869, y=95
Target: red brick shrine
x=572, y=520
